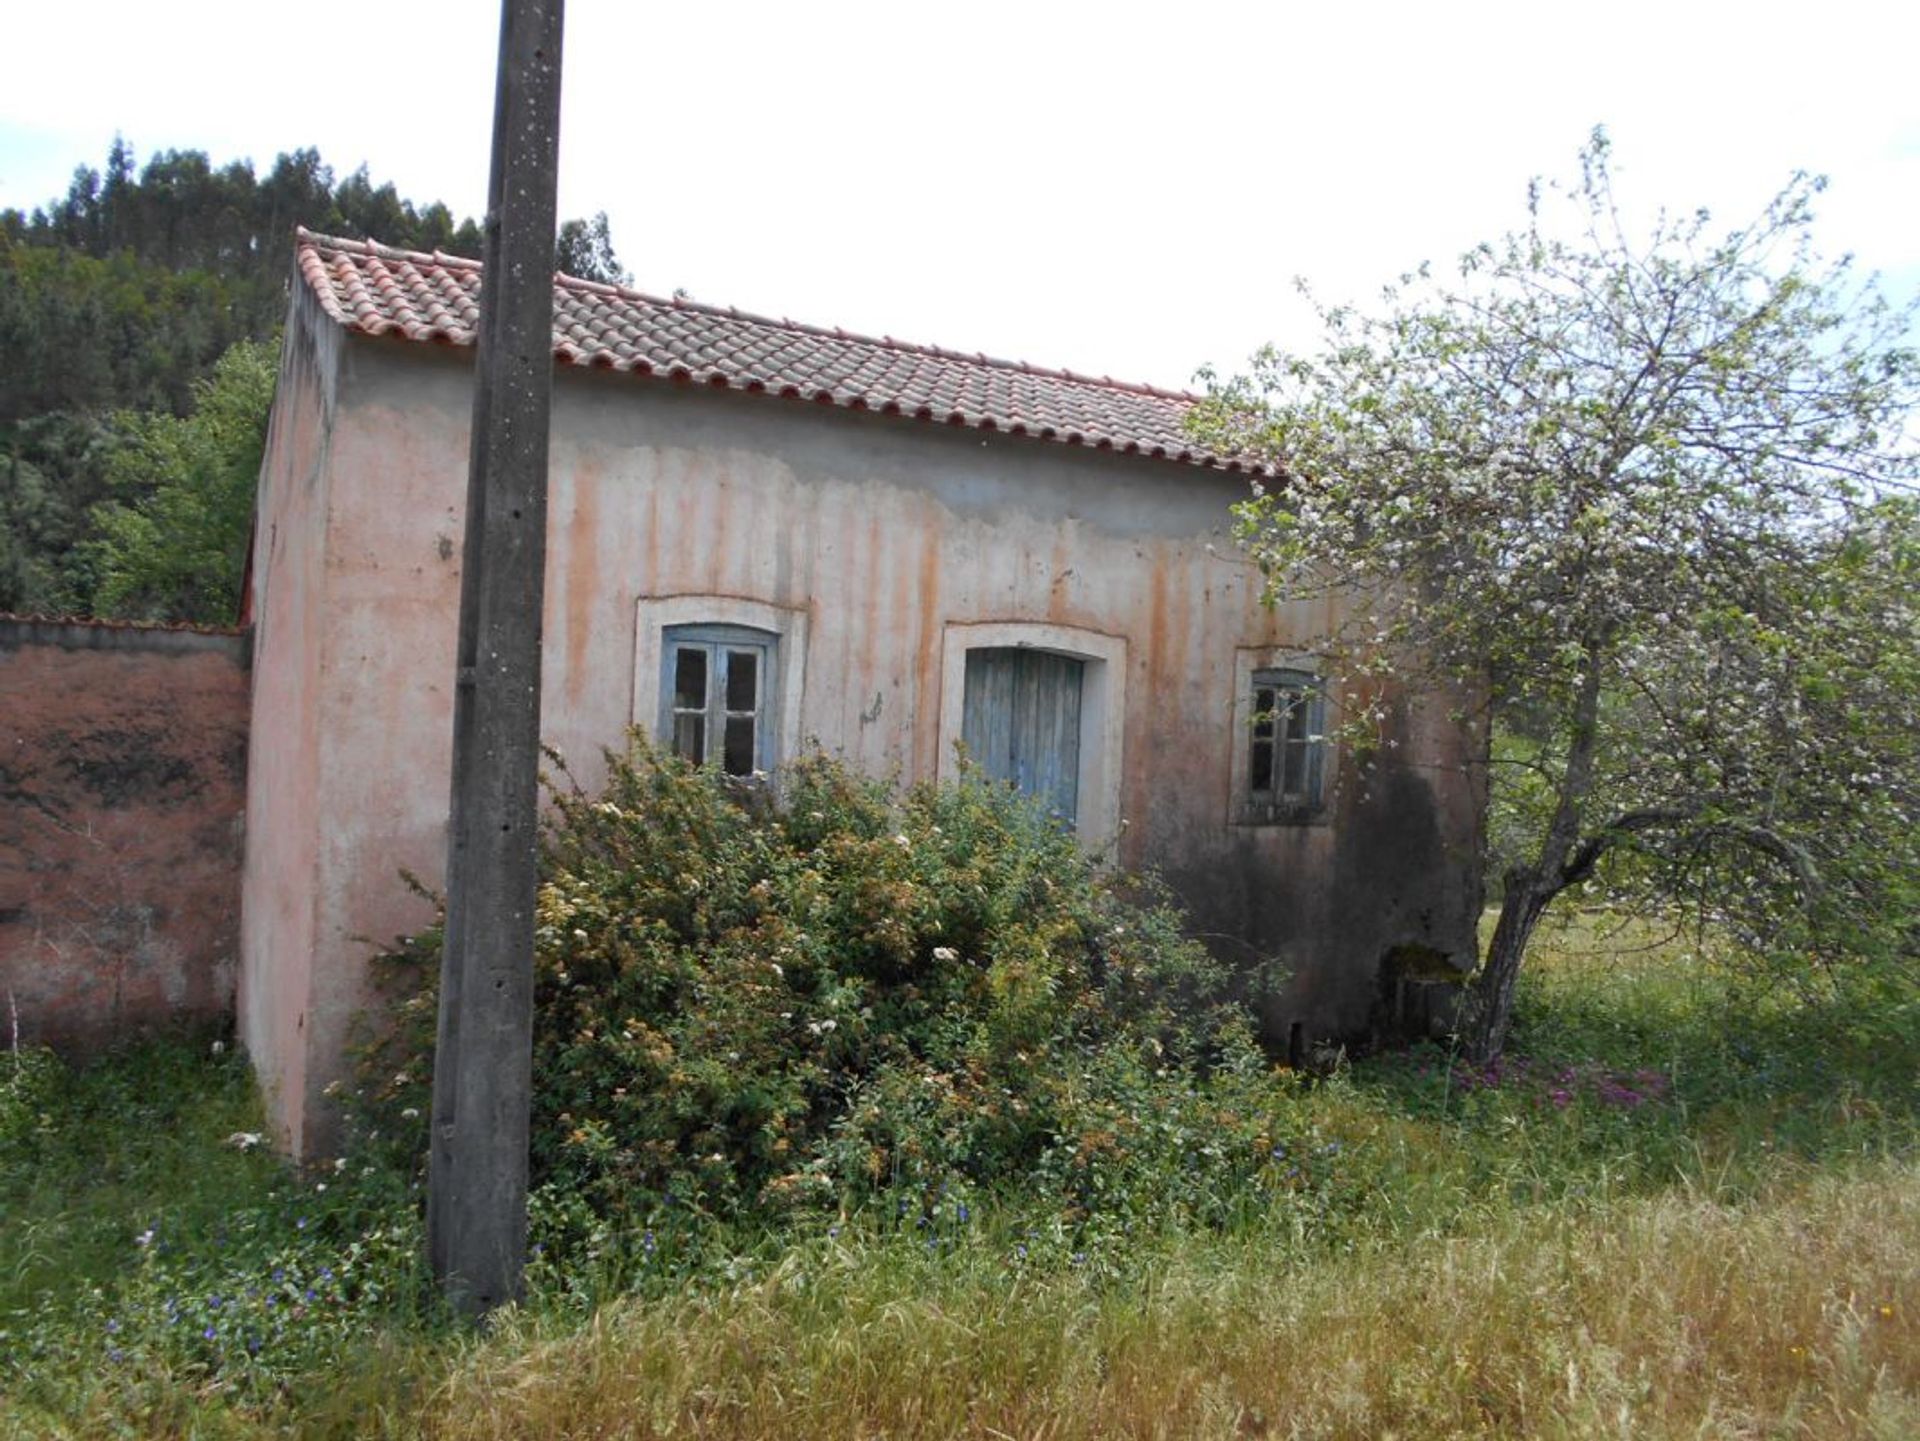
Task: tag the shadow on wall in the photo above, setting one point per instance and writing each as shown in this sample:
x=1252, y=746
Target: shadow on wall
x=1401, y=891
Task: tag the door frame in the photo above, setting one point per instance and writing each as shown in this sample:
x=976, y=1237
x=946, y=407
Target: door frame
x=1103, y=682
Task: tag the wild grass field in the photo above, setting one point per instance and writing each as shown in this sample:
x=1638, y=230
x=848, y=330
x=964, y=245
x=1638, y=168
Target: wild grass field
x=1688, y=1205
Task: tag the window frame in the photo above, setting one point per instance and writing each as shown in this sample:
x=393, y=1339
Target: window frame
x=784, y=628
x=1023, y=723
x=1315, y=706
x=719, y=644
x=1103, y=708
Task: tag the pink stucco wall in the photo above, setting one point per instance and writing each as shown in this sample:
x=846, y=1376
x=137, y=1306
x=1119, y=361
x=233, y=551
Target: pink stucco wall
x=122, y=779
x=882, y=534
x=279, y=915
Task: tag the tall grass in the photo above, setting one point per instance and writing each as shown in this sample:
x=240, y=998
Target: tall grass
x=1690, y=1206
x=1792, y=1315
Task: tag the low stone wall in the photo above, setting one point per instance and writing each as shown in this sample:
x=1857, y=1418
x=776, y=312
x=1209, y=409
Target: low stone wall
x=122, y=796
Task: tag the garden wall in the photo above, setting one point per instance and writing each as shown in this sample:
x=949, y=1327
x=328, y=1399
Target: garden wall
x=122, y=797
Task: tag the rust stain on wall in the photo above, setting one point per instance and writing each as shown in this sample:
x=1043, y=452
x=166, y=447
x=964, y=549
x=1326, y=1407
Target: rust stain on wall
x=650, y=540
x=868, y=566
x=1174, y=668
x=1060, y=568
x=926, y=679
x=582, y=574
x=1156, y=614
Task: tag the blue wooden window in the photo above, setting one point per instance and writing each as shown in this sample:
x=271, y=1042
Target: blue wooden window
x=1021, y=722
x=717, y=689
x=1287, y=750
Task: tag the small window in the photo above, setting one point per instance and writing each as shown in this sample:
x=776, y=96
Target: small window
x=717, y=696
x=1287, y=746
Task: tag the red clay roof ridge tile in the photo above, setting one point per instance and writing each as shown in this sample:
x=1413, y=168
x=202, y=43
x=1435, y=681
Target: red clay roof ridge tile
x=377, y=289
x=444, y=260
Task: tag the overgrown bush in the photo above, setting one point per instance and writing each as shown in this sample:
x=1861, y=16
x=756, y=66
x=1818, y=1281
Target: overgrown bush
x=744, y=1010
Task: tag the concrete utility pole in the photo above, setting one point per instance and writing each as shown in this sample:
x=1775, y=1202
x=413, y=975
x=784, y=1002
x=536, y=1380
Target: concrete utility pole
x=477, y=1187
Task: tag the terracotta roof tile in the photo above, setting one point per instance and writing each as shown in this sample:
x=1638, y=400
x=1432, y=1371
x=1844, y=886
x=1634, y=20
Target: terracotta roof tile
x=376, y=290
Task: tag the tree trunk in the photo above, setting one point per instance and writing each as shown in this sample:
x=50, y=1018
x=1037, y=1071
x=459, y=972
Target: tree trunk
x=1530, y=887
x=1526, y=897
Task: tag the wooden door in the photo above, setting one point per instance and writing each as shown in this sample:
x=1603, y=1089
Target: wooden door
x=1021, y=722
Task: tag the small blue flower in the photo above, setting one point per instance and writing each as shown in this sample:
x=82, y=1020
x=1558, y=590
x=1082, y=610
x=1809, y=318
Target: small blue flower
x=279, y=1273
x=213, y=1303
x=209, y=1333
x=326, y=1273
x=963, y=1213
x=300, y=1223
x=113, y=1328
x=116, y=1354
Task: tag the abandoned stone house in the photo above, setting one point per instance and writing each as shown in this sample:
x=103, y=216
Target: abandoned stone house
x=765, y=536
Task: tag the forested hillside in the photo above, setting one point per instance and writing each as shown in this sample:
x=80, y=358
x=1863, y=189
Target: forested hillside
x=127, y=448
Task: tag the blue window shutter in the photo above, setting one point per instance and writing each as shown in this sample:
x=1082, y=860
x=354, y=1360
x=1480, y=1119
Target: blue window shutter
x=1020, y=722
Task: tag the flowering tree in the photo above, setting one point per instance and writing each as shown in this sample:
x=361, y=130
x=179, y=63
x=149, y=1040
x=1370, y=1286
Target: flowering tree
x=1650, y=497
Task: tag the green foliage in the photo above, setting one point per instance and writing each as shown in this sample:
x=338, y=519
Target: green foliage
x=175, y=550
x=1640, y=492
x=125, y=292
x=88, y=333
x=29, y=1090
x=152, y=1245
x=53, y=471
x=122, y=297
x=584, y=248
x=855, y=997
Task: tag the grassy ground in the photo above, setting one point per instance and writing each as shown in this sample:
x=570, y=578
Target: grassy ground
x=1689, y=1206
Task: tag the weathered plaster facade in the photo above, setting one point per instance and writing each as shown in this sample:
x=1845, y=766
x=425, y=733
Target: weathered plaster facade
x=123, y=755
x=879, y=549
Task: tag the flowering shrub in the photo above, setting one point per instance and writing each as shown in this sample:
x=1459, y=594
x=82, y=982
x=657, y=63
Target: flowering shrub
x=745, y=1013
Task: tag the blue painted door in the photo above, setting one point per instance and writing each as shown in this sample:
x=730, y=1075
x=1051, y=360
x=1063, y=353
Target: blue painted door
x=1021, y=722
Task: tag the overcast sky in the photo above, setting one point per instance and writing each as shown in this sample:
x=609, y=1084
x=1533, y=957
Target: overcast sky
x=1122, y=189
